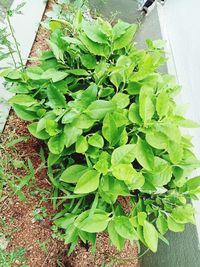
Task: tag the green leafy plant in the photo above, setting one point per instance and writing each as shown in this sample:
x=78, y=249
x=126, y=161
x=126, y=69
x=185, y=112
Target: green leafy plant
x=117, y=159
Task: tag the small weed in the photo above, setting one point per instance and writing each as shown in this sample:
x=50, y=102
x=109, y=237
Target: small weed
x=40, y=213
x=13, y=258
x=43, y=245
x=7, y=228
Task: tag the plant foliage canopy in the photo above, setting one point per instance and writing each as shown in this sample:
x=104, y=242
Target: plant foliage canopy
x=109, y=119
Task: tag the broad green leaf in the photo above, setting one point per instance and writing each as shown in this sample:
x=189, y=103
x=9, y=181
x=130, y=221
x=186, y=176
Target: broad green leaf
x=71, y=134
x=102, y=166
x=23, y=113
x=88, y=182
x=56, y=143
x=54, y=75
x=146, y=105
x=174, y=226
x=126, y=38
x=124, y=154
x=175, y=151
x=157, y=139
x=83, y=122
x=34, y=73
x=161, y=224
x=96, y=140
x=81, y=144
x=115, y=238
x=58, y=53
x=73, y=173
x=51, y=127
x=89, y=95
x=98, y=109
x=150, y=236
x=124, y=228
x=137, y=182
x=24, y=100
x=134, y=115
x=162, y=104
x=120, y=28
x=97, y=223
x=116, y=78
x=124, y=172
x=141, y=216
x=95, y=48
x=193, y=183
x=183, y=214
x=52, y=159
x=43, y=135
x=113, y=187
x=78, y=72
x=144, y=154
x=94, y=33
x=162, y=172
x=109, y=130
x=65, y=221
x=121, y=100
x=70, y=116
x=56, y=98
x=171, y=131
x=88, y=61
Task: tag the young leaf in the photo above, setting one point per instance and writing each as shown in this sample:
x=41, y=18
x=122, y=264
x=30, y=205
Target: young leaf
x=110, y=130
x=56, y=144
x=56, y=99
x=23, y=113
x=124, y=228
x=146, y=105
x=126, y=38
x=174, y=226
x=123, y=154
x=81, y=144
x=73, y=173
x=96, y=140
x=71, y=134
x=162, y=104
x=134, y=115
x=98, y=109
x=161, y=224
x=157, y=139
x=121, y=100
x=23, y=100
x=115, y=238
x=97, y=223
x=150, y=236
x=43, y=135
x=175, y=151
x=88, y=182
x=124, y=172
x=144, y=154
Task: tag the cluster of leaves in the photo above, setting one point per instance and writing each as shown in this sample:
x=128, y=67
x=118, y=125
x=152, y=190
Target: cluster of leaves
x=113, y=131
x=66, y=9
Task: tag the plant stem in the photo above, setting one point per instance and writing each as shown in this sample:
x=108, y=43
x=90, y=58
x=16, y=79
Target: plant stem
x=15, y=40
x=11, y=53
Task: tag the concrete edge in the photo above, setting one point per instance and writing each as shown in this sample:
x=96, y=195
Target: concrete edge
x=25, y=27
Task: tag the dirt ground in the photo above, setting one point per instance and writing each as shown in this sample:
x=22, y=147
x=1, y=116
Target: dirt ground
x=26, y=231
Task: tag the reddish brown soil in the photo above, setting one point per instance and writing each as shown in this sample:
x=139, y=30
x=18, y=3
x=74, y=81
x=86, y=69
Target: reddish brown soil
x=28, y=230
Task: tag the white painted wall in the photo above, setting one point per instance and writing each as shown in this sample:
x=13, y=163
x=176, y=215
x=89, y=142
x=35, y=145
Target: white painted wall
x=180, y=23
